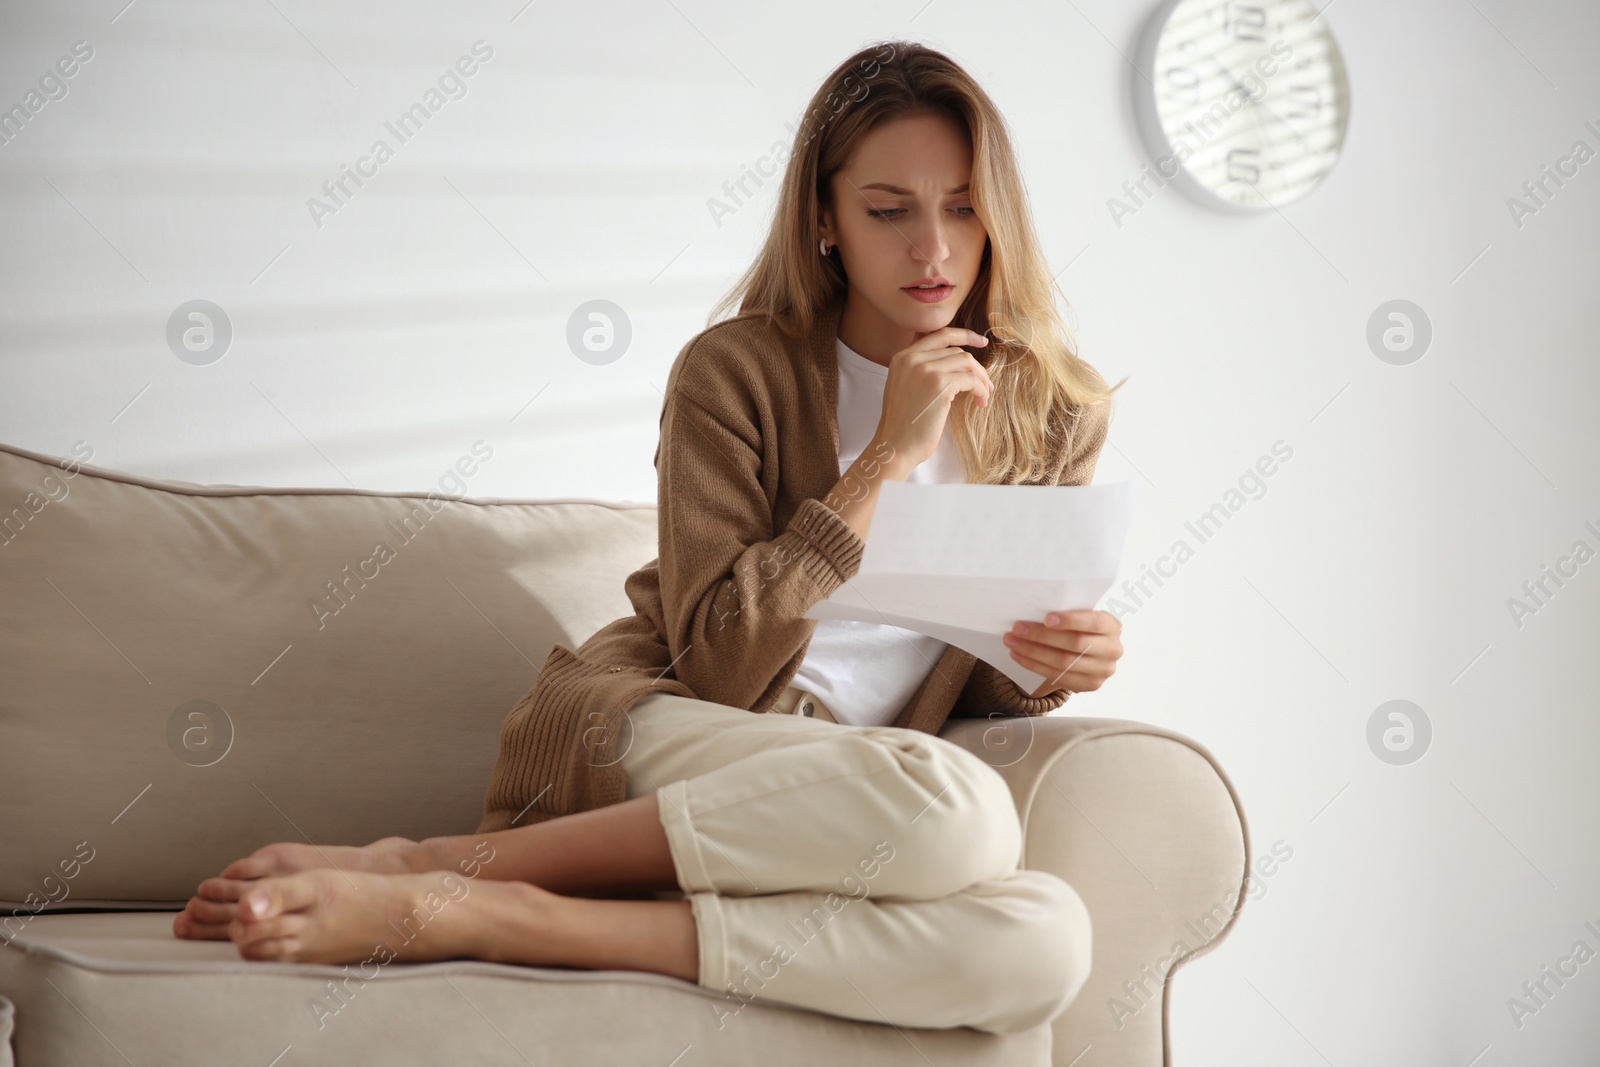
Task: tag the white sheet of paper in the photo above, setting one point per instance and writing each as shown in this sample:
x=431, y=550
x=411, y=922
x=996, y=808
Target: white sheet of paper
x=964, y=563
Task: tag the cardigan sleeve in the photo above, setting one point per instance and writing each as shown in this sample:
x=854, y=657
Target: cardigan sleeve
x=734, y=590
x=988, y=691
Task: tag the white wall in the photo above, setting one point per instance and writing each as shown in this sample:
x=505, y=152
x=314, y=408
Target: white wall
x=431, y=309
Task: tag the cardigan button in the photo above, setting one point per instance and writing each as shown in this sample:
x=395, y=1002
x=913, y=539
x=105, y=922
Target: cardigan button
x=614, y=670
x=806, y=708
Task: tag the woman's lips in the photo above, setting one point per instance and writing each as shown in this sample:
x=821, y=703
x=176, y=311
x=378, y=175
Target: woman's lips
x=929, y=296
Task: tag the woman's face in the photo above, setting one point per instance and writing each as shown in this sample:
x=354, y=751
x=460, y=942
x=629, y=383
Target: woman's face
x=901, y=214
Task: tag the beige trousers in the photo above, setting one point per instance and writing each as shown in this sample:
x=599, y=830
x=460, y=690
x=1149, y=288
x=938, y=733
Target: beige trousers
x=865, y=872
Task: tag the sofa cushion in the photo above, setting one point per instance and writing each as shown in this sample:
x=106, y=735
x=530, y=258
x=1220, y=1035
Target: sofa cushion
x=118, y=988
x=190, y=672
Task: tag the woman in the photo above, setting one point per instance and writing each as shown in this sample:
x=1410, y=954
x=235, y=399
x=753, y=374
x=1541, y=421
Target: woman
x=635, y=767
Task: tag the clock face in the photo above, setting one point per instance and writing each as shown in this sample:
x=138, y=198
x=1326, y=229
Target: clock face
x=1246, y=104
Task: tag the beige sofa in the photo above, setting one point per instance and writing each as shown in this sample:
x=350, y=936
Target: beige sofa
x=189, y=672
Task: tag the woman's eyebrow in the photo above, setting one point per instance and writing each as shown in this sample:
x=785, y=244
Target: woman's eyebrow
x=886, y=187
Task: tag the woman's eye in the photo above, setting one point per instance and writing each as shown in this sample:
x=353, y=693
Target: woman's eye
x=885, y=213
x=970, y=213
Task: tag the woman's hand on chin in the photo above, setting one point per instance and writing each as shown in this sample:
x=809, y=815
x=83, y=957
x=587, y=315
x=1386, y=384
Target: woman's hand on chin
x=1076, y=651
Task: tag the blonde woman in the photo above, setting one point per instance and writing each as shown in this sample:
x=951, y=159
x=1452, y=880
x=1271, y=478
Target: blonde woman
x=770, y=790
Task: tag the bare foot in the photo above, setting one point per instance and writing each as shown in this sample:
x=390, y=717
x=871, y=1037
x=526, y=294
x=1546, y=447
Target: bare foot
x=327, y=916
x=215, y=905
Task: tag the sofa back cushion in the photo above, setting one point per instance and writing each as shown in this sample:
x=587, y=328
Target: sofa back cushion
x=189, y=672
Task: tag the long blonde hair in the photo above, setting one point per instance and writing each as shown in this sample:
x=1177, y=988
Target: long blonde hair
x=1031, y=355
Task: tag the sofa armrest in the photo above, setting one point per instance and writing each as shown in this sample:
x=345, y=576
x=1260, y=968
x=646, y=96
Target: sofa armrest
x=1146, y=826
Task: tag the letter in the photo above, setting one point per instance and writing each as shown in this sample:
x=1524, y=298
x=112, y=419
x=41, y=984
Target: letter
x=1519, y=210
x=66, y=66
x=405, y=529
x=351, y=176
x=51, y=880
x=1582, y=551
x=1563, y=171
x=53, y=87
x=69, y=868
x=483, y=51
x=383, y=553
x=1516, y=1006
x=430, y=498
x=1582, y=150
x=867, y=866
x=478, y=851
x=466, y=466
x=384, y=952
x=83, y=450
x=28, y=502
x=1267, y=66
x=433, y=100
x=1527, y=987
x=17, y=116
x=1162, y=167
x=322, y=613
x=1562, y=971
x=718, y=209
x=1266, y=466
x=1162, y=570
x=1234, y=99
x=452, y=85
x=361, y=568
x=1228, y=498
x=1267, y=866
x=1286, y=854
x=362, y=170
x=1151, y=575
x=350, y=576
x=1118, y=209
x=343, y=180
x=1528, y=191
x=1288, y=49
x=763, y=170
x=321, y=1011
x=1531, y=594
x=451, y=484
x=720, y=1015
x=1120, y=610
x=1132, y=193
x=1209, y=530
x=1519, y=610
x=1250, y=481
x=318, y=209
x=50, y=483
x=83, y=50
x=454, y=888
x=34, y=102
x=1285, y=454
x=418, y=115
x=1583, y=952
x=1548, y=977
x=77, y=850
x=483, y=450
x=1120, y=1012
x=363, y=971
x=1252, y=83
x=433, y=902
x=467, y=66
x=878, y=850
x=848, y=883
x=834, y=902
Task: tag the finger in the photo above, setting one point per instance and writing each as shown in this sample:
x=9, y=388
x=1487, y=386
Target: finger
x=1086, y=620
x=211, y=911
x=249, y=867
x=225, y=889
x=269, y=929
x=281, y=948
x=276, y=896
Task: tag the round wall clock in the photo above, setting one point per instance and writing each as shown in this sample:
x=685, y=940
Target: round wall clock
x=1243, y=105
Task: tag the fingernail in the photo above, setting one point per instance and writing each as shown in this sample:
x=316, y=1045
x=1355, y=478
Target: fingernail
x=257, y=905
x=1053, y=620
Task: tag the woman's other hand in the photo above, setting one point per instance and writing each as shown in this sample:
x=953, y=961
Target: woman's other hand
x=1074, y=650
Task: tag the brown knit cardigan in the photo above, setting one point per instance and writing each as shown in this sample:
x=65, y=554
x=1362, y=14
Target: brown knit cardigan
x=749, y=448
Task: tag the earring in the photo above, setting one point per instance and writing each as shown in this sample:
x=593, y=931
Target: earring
x=824, y=246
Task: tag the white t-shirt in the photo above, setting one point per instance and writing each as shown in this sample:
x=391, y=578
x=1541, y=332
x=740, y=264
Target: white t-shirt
x=865, y=672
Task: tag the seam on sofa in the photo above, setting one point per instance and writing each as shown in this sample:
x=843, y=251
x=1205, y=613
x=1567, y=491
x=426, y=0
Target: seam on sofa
x=225, y=490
